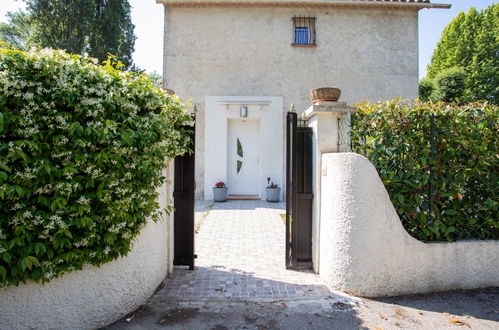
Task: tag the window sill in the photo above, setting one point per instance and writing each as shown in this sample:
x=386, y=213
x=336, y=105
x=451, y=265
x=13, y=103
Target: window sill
x=304, y=45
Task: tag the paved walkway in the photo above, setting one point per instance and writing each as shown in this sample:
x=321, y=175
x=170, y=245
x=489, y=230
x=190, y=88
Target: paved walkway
x=241, y=256
x=240, y=248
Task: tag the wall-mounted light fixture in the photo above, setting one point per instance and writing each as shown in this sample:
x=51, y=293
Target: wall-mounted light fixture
x=243, y=111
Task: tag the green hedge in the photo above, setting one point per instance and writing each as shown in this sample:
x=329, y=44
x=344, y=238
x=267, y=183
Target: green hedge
x=82, y=147
x=463, y=182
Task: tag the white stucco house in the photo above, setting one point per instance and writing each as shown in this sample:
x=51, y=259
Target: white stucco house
x=244, y=62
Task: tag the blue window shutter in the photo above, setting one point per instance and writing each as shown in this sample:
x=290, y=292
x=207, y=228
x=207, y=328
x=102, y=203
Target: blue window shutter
x=301, y=35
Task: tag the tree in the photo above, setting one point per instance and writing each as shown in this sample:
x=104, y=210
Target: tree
x=112, y=31
x=451, y=85
x=18, y=32
x=471, y=41
x=426, y=89
x=156, y=78
x=95, y=27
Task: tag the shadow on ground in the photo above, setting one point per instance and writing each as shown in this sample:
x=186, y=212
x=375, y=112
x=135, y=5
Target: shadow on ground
x=220, y=282
x=479, y=304
x=220, y=315
x=476, y=309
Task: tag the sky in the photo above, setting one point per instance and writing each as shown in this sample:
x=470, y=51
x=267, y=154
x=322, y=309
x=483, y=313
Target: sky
x=148, y=19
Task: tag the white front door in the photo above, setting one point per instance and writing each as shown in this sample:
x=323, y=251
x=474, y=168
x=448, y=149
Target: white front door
x=243, y=157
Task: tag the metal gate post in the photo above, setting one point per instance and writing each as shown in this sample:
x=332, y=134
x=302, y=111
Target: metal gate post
x=184, y=199
x=291, y=123
x=299, y=194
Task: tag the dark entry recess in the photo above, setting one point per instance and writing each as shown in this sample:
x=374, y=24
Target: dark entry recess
x=299, y=193
x=183, y=197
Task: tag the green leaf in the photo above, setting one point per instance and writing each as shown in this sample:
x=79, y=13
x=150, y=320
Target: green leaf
x=87, y=222
x=400, y=199
x=109, y=238
x=28, y=263
x=58, y=203
x=3, y=273
x=21, y=154
x=19, y=190
x=7, y=257
x=39, y=248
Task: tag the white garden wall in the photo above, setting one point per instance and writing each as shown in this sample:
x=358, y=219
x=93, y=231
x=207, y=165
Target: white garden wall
x=94, y=297
x=364, y=249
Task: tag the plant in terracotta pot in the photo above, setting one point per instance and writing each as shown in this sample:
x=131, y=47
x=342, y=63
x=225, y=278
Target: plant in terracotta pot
x=273, y=191
x=220, y=192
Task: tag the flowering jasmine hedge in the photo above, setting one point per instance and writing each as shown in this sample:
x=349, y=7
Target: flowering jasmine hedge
x=82, y=147
x=449, y=193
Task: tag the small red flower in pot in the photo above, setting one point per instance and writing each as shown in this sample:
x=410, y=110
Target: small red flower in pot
x=220, y=184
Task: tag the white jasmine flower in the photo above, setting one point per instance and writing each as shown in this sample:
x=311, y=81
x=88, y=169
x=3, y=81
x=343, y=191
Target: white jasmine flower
x=83, y=200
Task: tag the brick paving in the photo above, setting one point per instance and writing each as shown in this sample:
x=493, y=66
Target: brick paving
x=240, y=248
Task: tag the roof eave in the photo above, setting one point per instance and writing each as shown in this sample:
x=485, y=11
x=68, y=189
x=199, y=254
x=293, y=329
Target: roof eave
x=407, y=5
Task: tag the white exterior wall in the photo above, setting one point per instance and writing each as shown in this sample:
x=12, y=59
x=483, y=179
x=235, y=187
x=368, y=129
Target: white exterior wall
x=94, y=297
x=229, y=51
x=271, y=138
x=366, y=251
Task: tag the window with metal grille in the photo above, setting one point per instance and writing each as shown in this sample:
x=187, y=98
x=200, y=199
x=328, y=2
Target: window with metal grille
x=304, y=31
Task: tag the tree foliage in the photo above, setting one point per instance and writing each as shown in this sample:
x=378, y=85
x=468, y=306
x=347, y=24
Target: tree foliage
x=462, y=166
x=451, y=85
x=95, y=27
x=82, y=148
x=19, y=31
x=471, y=41
x=426, y=89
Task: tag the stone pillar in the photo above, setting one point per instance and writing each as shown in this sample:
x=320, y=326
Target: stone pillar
x=331, y=125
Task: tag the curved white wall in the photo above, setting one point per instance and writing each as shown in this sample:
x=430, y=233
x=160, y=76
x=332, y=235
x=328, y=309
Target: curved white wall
x=93, y=297
x=364, y=249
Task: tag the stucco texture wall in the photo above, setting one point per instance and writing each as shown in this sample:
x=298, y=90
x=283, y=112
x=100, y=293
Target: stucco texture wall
x=246, y=51
x=94, y=297
x=368, y=53
x=366, y=251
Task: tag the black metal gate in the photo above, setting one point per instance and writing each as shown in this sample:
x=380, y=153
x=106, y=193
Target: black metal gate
x=299, y=193
x=183, y=197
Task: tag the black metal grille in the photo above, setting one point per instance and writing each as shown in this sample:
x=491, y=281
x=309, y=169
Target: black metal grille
x=304, y=30
x=302, y=123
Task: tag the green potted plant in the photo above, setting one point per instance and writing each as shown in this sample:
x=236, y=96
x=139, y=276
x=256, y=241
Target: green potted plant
x=273, y=191
x=220, y=192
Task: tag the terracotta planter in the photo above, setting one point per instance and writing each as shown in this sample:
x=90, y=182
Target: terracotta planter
x=220, y=194
x=328, y=94
x=273, y=194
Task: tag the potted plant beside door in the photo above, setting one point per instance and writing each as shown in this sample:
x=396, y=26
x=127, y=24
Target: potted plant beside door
x=273, y=191
x=220, y=192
